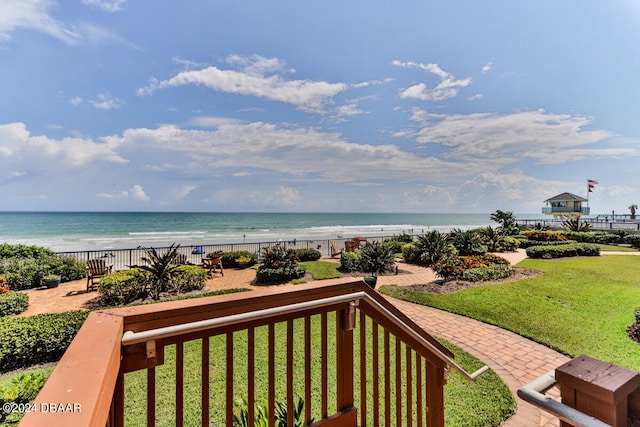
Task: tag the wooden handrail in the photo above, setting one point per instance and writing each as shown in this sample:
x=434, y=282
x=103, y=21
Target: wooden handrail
x=79, y=392
x=91, y=372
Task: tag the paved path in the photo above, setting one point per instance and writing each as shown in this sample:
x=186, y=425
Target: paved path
x=515, y=359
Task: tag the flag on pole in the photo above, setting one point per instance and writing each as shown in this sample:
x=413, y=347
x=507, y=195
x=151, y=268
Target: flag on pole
x=591, y=183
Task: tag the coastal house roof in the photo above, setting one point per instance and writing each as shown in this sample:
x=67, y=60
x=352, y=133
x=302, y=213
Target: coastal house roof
x=566, y=197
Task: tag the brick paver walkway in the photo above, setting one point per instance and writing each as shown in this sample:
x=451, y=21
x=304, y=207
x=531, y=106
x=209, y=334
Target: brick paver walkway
x=515, y=359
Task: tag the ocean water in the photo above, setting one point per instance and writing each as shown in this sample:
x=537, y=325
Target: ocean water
x=75, y=231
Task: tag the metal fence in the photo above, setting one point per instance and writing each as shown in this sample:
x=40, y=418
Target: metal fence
x=122, y=259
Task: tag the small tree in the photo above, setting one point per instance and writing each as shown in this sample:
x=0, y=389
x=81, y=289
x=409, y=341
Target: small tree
x=574, y=224
x=466, y=242
x=492, y=238
x=160, y=268
x=507, y=221
x=632, y=209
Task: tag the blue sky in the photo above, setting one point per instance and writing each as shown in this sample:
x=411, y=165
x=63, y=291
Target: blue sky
x=320, y=106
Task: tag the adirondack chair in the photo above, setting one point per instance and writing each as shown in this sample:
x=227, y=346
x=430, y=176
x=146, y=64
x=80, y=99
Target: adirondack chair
x=213, y=263
x=334, y=249
x=96, y=268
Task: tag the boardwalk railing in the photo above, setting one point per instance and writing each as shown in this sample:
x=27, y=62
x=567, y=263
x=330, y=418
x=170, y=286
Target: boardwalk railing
x=350, y=356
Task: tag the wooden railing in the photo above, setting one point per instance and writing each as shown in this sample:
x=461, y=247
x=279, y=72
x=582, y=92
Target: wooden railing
x=346, y=352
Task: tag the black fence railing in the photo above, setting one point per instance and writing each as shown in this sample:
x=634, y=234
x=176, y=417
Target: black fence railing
x=122, y=259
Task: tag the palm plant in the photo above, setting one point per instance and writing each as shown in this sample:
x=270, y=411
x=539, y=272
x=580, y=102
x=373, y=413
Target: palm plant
x=160, y=268
x=574, y=224
x=507, y=221
x=492, y=237
x=433, y=247
x=466, y=242
x=376, y=258
x=633, y=209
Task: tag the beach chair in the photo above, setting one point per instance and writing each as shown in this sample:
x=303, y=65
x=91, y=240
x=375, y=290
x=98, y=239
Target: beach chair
x=334, y=249
x=96, y=268
x=213, y=263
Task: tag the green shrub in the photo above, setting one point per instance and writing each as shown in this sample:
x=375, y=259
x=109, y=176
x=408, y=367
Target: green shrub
x=279, y=265
x=560, y=251
x=13, y=303
x=309, y=254
x=24, y=389
x=229, y=259
x=545, y=236
x=42, y=338
x=349, y=261
x=26, y=273
x=600, y=237
x=376, y=258
x=490, y=272
x=633, y=240
x=403, y=238
x=508, y=244
x=526, y=243
x=23, y=251
x=410, y=253
x=123, y=286
x=279, y=275
x=394, y=245
x=454, y=267
x=433, y=247
x=261, y=416
x=187, y=278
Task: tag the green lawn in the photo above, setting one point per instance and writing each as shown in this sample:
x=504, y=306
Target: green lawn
x=578, y=306
x=321, y=270
x=484, y=402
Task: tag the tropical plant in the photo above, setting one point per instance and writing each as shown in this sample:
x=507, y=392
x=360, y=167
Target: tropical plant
x=433, y=247
x=261, y=417
x=376, y=258
x=492, y=238
x=633, y=209
x=160, y=268
x=466, y=242
x=507, y=221
x=574, y=224
x=279, y=265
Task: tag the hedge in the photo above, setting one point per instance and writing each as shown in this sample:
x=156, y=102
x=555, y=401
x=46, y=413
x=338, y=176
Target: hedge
x=526, y=243
x=490, y=272
x=26, y=273
x=37, y=339
x=560, y=251
x=229, y=258
x=309, y=254
x=187, y=278
x=13, y=303
x=455, y=267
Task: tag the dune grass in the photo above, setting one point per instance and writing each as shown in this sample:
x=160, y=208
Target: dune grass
x=578, y=306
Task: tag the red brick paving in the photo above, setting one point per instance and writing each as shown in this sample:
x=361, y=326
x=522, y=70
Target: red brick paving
x=515, y=359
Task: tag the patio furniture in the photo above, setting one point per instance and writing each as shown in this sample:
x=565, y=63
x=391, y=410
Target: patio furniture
x=334, y=249
x=213, y=263
x=349, y=246
x=96, y=268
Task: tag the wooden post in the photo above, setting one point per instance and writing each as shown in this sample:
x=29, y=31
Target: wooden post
x=435, y=395
x=597, y=388
x=344, y=348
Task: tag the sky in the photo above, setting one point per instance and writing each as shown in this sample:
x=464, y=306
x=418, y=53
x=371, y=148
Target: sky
x=318, y=106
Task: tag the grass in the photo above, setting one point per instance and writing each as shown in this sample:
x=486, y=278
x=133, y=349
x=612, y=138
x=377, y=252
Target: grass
x=614, y=248
x=578, y=306
x=484, y=402
x=321, y=270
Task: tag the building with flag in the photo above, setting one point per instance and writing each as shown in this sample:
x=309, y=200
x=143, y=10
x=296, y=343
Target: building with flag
x=565, y=206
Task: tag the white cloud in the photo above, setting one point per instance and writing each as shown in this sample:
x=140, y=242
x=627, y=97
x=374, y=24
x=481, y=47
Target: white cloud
x=447, y=87
x=33, y=15
x=486, y=68
x=76, y=101
x=19, y=146
x=288, y=195
x=136, y=193
x=535, y=135
x=110, y=6
x=104, y=101
x=213, y=122
x=295, y=151
x=183, y=191
x=255, y=79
